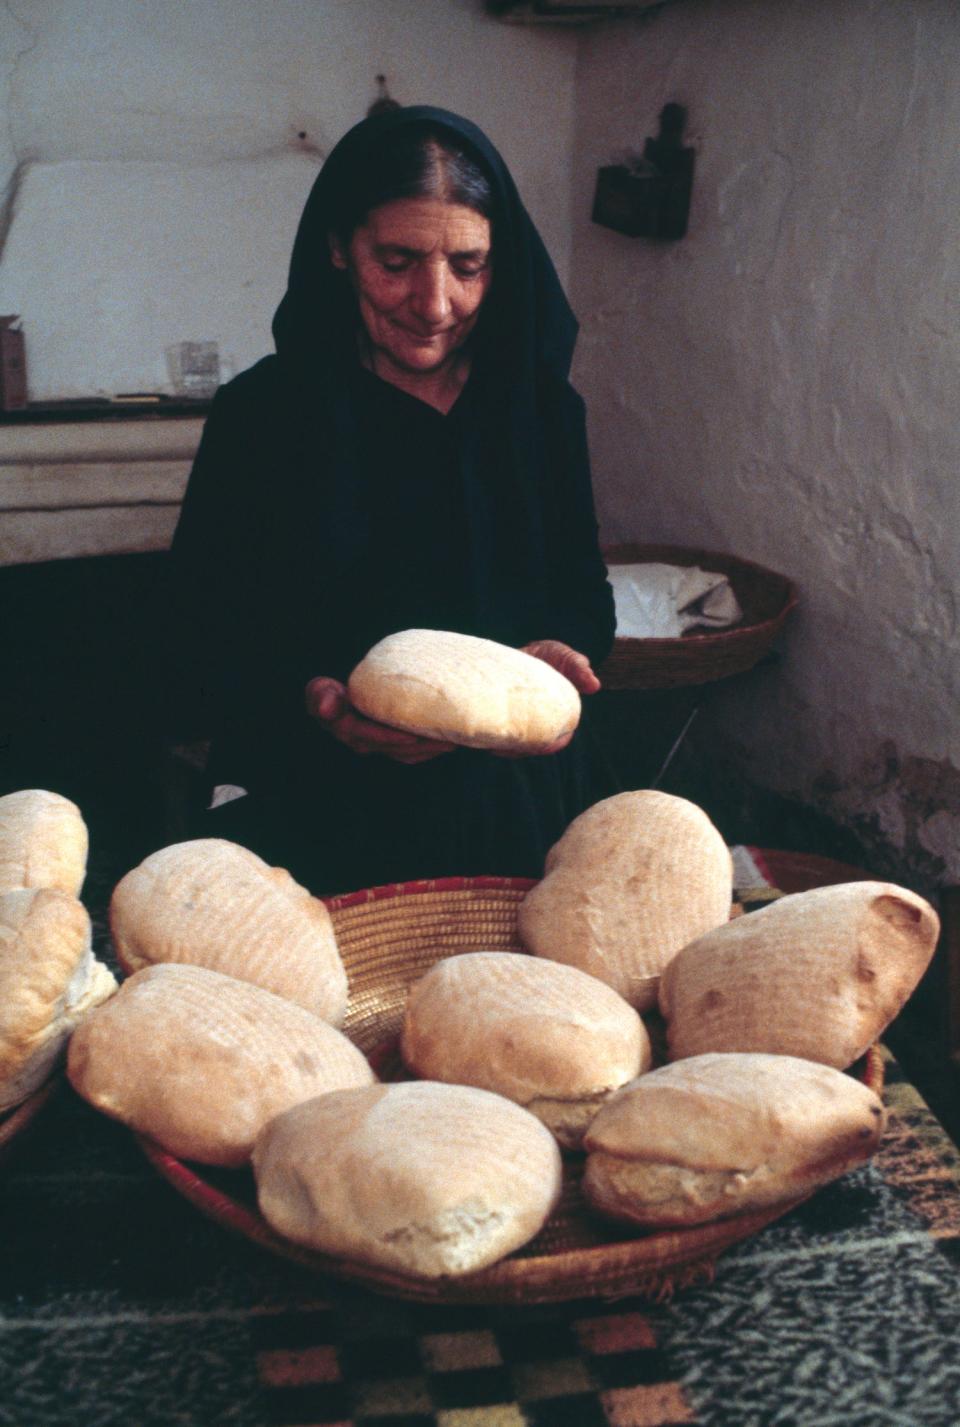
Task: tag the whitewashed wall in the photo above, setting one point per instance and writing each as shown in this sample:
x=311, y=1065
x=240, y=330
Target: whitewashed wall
x=784, y=383
x=155, y=157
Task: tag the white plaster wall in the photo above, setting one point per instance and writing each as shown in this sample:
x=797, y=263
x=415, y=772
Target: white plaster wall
x=784, y=383
x=154, y=169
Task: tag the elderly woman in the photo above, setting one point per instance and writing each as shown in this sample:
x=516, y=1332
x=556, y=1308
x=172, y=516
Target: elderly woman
x=413, y=456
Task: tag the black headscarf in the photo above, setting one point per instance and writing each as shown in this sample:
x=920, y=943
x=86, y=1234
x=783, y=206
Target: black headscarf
x=533, y=313
x=521, y=361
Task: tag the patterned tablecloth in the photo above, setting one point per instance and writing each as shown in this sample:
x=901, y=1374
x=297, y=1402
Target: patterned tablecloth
x=121, y=1304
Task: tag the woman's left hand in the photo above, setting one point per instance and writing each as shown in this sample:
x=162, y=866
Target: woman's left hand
x=573, y=666
x=568, y=662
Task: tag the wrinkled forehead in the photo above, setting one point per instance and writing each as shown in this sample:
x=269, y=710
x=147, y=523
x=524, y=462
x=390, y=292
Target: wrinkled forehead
x=425, y=225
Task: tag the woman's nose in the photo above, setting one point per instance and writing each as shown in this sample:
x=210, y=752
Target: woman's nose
x=431, y=296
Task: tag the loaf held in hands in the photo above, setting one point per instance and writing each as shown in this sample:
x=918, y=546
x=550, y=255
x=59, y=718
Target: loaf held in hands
x=49, y=981
x=631, y=881
x=213, y=903
x=419, y=1178
x=545, y=1035
x=43, y=842
x=718, y=1135
x=464, y=690
x=200, y=1061
x=817, y=974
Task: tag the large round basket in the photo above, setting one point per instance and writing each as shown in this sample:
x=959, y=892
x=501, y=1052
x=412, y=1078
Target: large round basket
x=765, y=598
x=389, y=936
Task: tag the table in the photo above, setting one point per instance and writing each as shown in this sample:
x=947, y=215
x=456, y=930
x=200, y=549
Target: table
x=122, y=1305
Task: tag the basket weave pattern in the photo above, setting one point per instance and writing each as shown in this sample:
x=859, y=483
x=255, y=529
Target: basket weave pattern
x=765, y=598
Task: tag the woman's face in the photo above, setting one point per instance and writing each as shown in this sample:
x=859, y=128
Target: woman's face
x=420, y=268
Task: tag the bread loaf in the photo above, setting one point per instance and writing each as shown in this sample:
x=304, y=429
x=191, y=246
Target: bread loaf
x=213, y=903
x=631, y=881
x=200, y=1061
x=548, y=1036
x=718, y=1135
x=464, y=690
x=419, y=1178
x=818, y=974
x=43, y=842
x=49, y=980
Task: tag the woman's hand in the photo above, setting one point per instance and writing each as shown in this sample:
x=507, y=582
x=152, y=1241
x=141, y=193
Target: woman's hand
x=566, y=661
x=327, y=702
x=573, y=666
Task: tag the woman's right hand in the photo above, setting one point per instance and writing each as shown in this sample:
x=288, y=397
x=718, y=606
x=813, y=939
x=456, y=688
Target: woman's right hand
x=327, y=702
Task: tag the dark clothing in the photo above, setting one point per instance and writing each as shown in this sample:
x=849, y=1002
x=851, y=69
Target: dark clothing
x=326, y=509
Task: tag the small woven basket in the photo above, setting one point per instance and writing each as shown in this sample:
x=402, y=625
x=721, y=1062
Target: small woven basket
x=765, y=598
x=388, y=937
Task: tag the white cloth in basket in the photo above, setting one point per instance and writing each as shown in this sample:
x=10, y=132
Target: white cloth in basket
x=655, y=601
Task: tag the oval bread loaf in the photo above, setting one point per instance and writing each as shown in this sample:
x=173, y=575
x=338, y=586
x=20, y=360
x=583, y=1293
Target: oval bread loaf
x=213, y=903
x=631, y=881
x=545, y=1035
x=43, y=842
x=817, y=974
x=200, y=1061
x=49, y=980
x=718, y=1135
x=420, y=1178
x=464, y=690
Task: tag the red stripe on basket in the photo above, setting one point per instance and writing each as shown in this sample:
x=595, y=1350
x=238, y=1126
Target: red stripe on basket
x=427, y=884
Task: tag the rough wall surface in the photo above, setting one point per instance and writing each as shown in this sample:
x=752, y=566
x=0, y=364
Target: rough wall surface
x=154, y=158
x=783, y=382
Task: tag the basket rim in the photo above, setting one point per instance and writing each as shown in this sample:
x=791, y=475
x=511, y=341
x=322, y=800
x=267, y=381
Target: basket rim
x=787, y=585
x=641, y=1263
x=388, y=890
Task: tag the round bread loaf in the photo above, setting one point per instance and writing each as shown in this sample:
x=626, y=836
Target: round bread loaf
x=464, y=690
x=818, y=974
x=548, y=1036
x=420, y=1178
x=200, y=1061
x=213, y=903
x=43, y=842
x=49, y=980
x=631, y=881
x=718, y=1135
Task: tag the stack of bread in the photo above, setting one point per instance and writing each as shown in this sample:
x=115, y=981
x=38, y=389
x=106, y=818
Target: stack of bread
x=49, y=976
x=224, y=1042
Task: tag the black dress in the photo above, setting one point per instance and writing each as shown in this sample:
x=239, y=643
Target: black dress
x=328, y=508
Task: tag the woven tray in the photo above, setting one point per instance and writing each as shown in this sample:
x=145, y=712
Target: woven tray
x=388, y=937
x=765, y=597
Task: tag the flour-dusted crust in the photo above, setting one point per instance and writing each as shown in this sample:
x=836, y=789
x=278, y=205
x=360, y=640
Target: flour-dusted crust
x=543, y=1034
x=819, y=974
x=43, y=842
x=631, y=881
x=200, y=1061
x=49, y=980
x=419, y=1178
x=464, y=690
x=717, y=1135
x=213, y=903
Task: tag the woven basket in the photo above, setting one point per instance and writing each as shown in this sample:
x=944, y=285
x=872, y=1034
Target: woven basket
x=765, y=598
x=389, y=936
